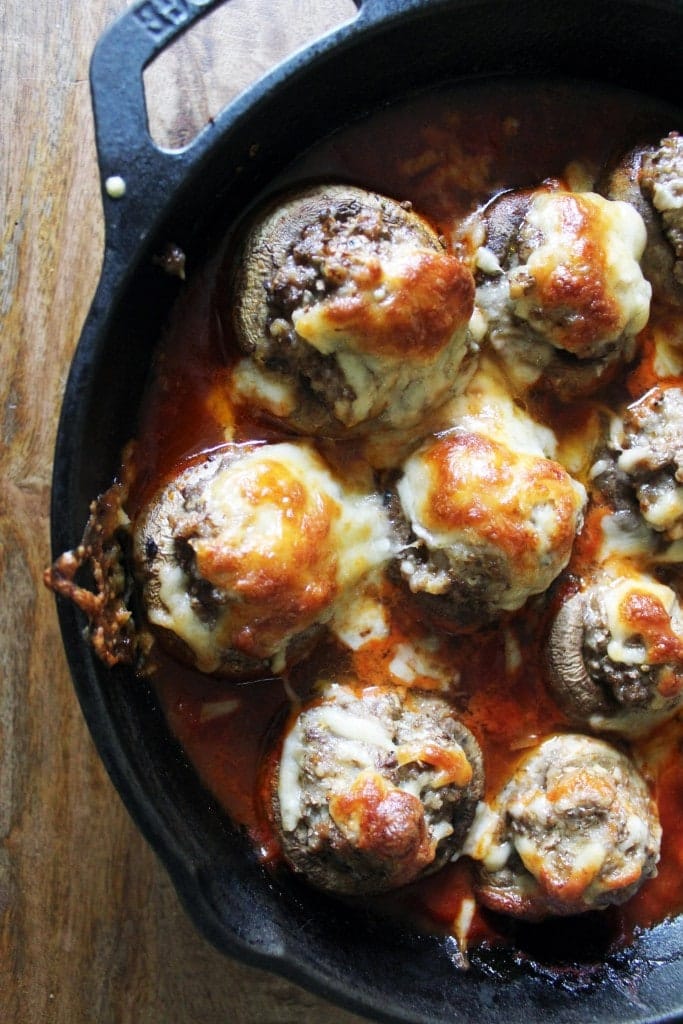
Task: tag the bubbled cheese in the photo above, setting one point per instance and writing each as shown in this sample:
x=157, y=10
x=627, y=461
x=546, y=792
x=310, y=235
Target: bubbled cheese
x=582, y=286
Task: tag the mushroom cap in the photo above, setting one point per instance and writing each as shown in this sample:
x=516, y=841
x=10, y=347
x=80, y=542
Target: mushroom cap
x=634, y=178
x=652, y=457
x=491, y=526
x=350, y=310
x=241, y=557
x=614, y=655
x=573, y=829
x=561, y=286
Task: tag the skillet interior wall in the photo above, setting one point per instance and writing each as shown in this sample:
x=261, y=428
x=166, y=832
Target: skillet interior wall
x=615, y=42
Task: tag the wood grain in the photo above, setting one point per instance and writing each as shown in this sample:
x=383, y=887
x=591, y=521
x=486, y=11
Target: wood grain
x=90, y=926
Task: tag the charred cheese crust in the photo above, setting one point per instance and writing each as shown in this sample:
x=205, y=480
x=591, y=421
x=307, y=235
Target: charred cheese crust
x=466, y=490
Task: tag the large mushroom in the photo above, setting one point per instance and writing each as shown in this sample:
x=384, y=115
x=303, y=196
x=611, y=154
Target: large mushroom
x=350, y=312
x=242, y=556
x=375, y=787
x=615, y=655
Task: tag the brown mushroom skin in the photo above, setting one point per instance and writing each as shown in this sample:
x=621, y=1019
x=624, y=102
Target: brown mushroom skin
x=374, y=788
x=555, y=323
x=626, y=685
x=574, y=829
x=648, y=177
x=652, y=458
x=348, y=304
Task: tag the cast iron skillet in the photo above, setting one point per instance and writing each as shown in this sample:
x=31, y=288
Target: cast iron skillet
x=391, y=48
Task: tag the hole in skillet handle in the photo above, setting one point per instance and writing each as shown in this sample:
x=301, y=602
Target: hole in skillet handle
x=143, y=157
x=195, y=77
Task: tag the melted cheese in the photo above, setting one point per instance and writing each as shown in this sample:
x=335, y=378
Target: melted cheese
x=581, y=286
x=466, y=492
x=283, y=540
x=289, y=791
x=630, y=605
x=488, y=408
x=359, y=619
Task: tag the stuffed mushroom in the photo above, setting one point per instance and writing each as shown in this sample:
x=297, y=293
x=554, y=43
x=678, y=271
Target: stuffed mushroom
x=615, y=654
x=242, y=556
x=652, y=458
x=650, y=178
x=350, y=312
x=574, y=829
x=375, y=788
x=560, y=286
x=489, y=526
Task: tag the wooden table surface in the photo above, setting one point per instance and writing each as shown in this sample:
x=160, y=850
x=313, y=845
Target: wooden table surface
x=90, y=926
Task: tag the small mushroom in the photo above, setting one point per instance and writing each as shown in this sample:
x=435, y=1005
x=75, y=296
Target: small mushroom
x=560, y=286
x=614, y=655
x=650, y=178
x=652, y=458
x=573, y=829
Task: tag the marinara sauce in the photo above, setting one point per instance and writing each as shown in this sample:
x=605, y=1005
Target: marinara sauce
x=446, y=152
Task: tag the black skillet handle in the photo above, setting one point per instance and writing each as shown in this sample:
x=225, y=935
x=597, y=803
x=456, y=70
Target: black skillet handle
x=136, y=175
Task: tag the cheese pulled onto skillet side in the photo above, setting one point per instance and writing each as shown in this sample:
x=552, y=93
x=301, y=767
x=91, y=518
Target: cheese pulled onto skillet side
x=444, y=448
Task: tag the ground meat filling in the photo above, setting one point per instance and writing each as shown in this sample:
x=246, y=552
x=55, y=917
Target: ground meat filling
x=375, y=788
x=315, y=267
x=462, y=588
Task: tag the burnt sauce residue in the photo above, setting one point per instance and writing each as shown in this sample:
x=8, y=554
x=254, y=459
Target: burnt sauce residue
x=445, y=153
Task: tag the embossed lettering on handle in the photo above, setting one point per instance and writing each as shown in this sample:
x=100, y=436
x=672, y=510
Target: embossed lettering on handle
x=161, y=18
